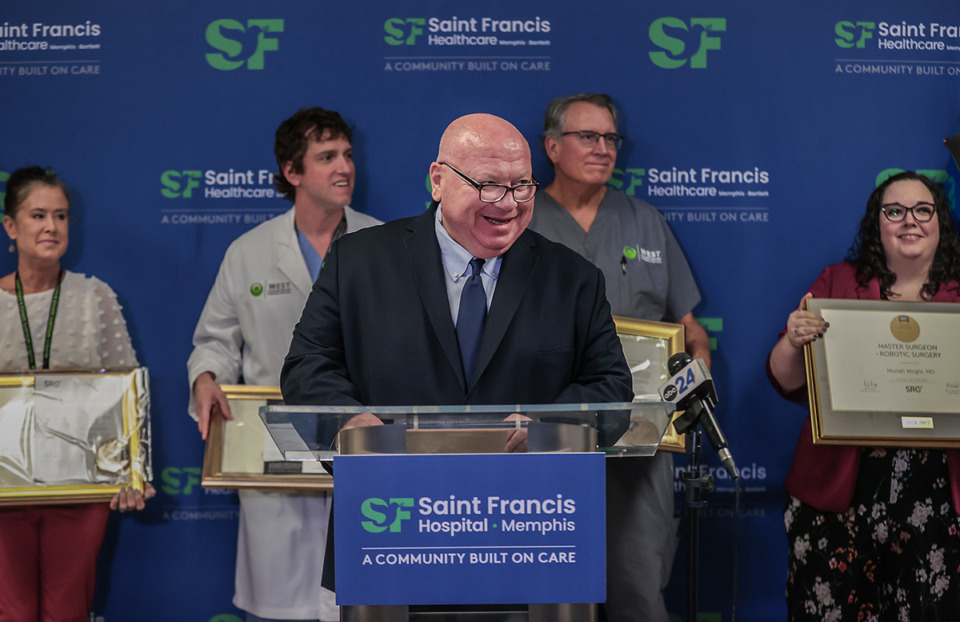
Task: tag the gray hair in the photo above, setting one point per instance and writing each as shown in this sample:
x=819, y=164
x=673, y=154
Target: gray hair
x=556, y=114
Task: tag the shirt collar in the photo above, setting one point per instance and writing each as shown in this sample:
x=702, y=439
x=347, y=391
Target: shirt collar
x=310, y=255
x=456, y=259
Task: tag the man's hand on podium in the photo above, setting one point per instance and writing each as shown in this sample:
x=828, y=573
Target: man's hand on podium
x=517, y=443
x=363, y=420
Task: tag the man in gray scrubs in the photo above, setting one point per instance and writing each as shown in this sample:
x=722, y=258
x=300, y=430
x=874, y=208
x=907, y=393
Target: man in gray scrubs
x=647, y=278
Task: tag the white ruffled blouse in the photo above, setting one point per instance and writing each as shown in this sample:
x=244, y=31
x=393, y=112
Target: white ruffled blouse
x=89, y=331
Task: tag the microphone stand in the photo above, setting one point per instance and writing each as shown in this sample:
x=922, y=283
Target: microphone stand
x=691, y=390
x=695, y=483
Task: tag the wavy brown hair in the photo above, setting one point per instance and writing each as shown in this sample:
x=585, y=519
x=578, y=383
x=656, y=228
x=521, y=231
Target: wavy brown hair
x=867, y=249
x=293, y=138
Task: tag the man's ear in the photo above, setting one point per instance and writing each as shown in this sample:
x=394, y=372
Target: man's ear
x=435, y=169
x=292, y=176
x=551, y=145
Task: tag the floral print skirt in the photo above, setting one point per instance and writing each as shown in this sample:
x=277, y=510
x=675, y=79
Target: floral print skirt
x=894, y=555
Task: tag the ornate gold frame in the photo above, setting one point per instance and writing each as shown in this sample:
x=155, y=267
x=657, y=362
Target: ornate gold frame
x=667, y=338
x=235, y=448
x=916, y=425
x=135, y=406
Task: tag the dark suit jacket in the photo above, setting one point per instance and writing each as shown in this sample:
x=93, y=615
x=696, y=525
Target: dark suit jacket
x=376, y=329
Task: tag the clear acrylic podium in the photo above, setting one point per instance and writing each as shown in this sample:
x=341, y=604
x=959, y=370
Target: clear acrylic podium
x=618, y=430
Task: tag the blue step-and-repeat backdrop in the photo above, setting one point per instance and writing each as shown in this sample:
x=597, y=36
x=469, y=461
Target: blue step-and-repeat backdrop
x=759, y=128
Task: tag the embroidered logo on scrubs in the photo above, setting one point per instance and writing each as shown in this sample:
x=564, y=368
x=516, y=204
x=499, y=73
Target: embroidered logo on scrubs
x=277, y=289
x=629, y=252
x=256, y=289
x=650, y=256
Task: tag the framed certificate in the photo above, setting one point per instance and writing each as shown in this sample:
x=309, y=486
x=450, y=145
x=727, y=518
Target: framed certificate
x=73, y=436
x=647, y=347
x=241, y=454
x=885, y=373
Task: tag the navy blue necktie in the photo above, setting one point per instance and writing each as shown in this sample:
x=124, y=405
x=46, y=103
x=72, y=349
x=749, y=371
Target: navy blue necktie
x=471, y=318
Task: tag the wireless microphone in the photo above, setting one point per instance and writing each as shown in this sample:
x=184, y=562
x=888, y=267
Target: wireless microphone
x=691, y=389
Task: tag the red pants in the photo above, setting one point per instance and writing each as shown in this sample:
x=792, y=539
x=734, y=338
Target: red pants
x=48, y=559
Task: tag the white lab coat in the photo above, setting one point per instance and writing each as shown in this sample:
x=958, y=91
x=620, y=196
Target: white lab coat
x=245, y=330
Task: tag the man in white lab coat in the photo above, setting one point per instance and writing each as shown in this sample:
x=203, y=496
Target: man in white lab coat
x=244, y=332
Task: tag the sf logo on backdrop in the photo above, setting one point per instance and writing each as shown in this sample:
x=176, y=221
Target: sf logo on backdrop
x=683, y=43
x=241, y=44
x=179, y=184
x=627, y=180
x=385, y=515
x=853, y=34
x=403, y=31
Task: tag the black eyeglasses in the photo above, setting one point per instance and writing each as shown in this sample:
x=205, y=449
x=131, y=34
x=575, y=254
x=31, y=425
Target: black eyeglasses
x=589, y=139
x=922, y=212
x=491, y=193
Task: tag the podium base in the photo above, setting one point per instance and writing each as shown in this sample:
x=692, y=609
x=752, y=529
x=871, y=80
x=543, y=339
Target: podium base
x=552, y=612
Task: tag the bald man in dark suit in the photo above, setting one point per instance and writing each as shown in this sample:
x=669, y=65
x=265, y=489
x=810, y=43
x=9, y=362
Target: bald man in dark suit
x=380, y=326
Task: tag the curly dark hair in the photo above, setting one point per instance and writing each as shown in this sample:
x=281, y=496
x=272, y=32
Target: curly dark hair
x=867, y=248
x=23, y=181
x=294, y=136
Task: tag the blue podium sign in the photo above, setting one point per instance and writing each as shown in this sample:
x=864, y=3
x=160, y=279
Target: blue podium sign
x=470, y=529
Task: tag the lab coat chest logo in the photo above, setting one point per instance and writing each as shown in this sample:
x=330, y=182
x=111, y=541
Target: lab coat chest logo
x=279, y=288
x=263, y=290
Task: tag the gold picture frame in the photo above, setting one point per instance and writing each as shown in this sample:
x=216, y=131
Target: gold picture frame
x=101, y=446
x=886, y=373
x=647, y=346
x=237, y=453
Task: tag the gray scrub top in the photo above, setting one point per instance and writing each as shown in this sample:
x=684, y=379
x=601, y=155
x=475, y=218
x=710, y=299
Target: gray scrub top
x=646, y=273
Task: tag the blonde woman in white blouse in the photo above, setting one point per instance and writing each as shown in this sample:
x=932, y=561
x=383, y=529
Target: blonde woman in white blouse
x=50, y=319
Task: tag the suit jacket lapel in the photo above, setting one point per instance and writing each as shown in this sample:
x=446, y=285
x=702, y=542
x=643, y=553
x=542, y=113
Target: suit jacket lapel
x=516, y=270
x=423, y=251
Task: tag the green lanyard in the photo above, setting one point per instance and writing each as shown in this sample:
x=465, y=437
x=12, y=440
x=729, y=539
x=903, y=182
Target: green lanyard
x=26, y=323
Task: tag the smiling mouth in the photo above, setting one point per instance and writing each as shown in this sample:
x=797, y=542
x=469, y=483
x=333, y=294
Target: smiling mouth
x=497, y=221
